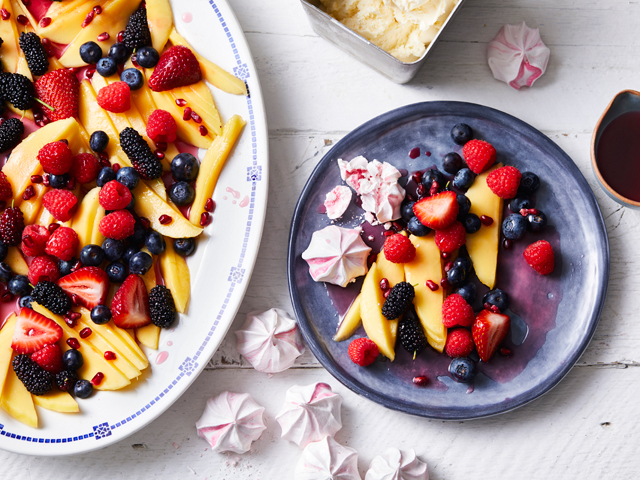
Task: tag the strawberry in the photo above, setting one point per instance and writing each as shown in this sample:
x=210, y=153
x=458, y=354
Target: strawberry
x=504, y=181
x=61, y=204
x=161, y=127
x=63, y=243
x=33, y=331
x=363, y=351
x=178, y=67
x=540, y=257
x=489, y=330
x=60, y=90
x=456, y=311
x=399, y=249
x=115, y=97
x=49, y=357
x=438, y=211
x=451, y=238
x=85, y=168
x=56, y=158
x=114, y=196
x=43, y=267
x=459, y=343
x=34, y=239
x=117, y=225
x=479, y=155
x=130, y=304
x=90, y=284
x=5, y=188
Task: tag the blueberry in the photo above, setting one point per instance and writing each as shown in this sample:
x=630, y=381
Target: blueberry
x=100, y=314
x=90, y=52
x=99, y=141
x=529, y=183
x=4, y=250
x=130, y=252
x=537, y=222
x=416, y=228
x=464, y=179
x=456, y=275
x=464, y=204
x=407, y=211
x=451, y=163
x=132, y=204
x=133, y=78
x=58, y=181
x=106, y=66
x=72, y=360
x=65, y=267
x=117, y=272
x=140, y=263
x=105, y=176
x=498, y=298
x=25, y=302
x=83, y=389
x=5, y=272
x=147, y=57
x=139, y=234
x=185, y=166
x=19, y=285
x=514, y=227
x=184, y=246
x=462, y=370
x=519, y=203
x=471, y=223
x=468, y=291
x=461, y=133
x=113, y=249
x=92, y=255
x=464, y=262
x=433, y=175
x=129, y=177
x=155, y=243
x=119, y=52
x=181, y=193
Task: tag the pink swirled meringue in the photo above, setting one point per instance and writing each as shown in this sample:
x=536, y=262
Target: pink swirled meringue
x=231, y=422
x=336, y=255
x=270, y=341
x=310, y=413
x=397, y=464
x=337, y=201
x=517, y=55
x=327, y=460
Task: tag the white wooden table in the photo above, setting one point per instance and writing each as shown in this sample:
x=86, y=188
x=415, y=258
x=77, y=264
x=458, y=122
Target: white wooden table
x=587, y=427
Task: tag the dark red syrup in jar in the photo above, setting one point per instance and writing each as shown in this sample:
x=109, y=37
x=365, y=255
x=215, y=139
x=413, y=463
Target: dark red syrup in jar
x=618, y=155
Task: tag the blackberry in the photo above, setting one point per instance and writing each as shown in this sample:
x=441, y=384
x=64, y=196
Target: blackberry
x=35, y=378
x=11, y=226
x=34, y=52
x=141, y=156
x=52, y=297
x=66, y=380
x=11, y=132
x=161, y=306
x=136, y=33
x=17, y=90
x=398, y=300
x=411, y=334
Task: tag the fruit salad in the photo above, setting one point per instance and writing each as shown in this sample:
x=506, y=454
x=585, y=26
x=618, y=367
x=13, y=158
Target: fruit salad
x=105, y=106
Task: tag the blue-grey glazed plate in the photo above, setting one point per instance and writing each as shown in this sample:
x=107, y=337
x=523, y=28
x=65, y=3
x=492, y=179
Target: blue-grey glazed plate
x=553, y=317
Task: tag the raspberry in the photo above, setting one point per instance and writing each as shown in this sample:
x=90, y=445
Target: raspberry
x=63, y=243
x=117, y=225
x=56, y=158
x=43, y=268
x=114, y=196
x=61, y=204
x=363, y=351
x=11, y=226
x=85, y=168
x=34, y=53
x=49, y=358
x=11, y=132
x=399, y=249
x=451, y=238
x=142, y=158
x=5, y=187
x=540, y=257
x=456, y=311
x=479, y=155
x=161, y=127
x=504, y=181
x=459, y=343
x=136, y=33
x=34, y=239
x=115, y=97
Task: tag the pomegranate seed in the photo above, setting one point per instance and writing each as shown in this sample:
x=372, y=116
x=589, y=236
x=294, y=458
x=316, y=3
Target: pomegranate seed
x=73, y=343
x=384, y=284
x=209, y=205
x=447, y=266
x=134, y=60
x=22, y=20
x=421, y=190
x=97, y=379
x=98, y=10
x=427, y=153
x=6, y=297
x=70, y=321
x=85, y=332
x=71, y=184
x=528, y=211
x=386, y=293
x=36, y=116
x=45, y=22
x=195, y=117
x=65, y=141
x=433, y=286
x=162, y=146
x=36, y=178
x=159, y=154
x=388, y=233
x=181, y=102
x=186, y=115
x=434, y=189
x=90, y=72
x=109, y=355
x=486, y=220
x=88, y=19
x=421, y=381
x=103, y=156
x=116, y=167
x=205, y=219
x=75, y=299
x=414, y=153
x=417, y=177
x=29, y=192
x=505, y=352
x=203, y=131
x=53, y=227
x=445, y=283
x=27, y=241
x=103, y=36
x=74, y=315
x=120, y=36
x=4, y=13
x=145, y=222
x=40, y=123
x=488, y=306
x=397, y=227
x=165, y=219
x=445, y=255
x=507, y=244
x=45, y=180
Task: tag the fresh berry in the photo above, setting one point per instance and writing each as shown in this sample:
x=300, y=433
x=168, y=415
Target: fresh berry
x=456, y=312
x=182, y=194
x=56, y=158
x=147, y=57
x=36, y=379
x=33, y=331
x=120, y=53
x=131, y=251
x=468, y=291
x=85, y=168
x=464, y=262
x=130, y=305
x=100, y=314
x=140, y=263
x=504, y=181
x=34, y=240
x=19, y=286
x=90, y=52
x=17, y=89
x=115, y=97
x=25, y=302
x=451, y=163
x=399, y=249
x=105, y=176
x=114, y=196
x=416, y=228
x=133, y=78
x=155, y=243
x=411, y=333
x=540, y=257
x=462, y=370
x=63, y=243
x=451, y=238
x=461, y=133
x=520, y=202
x=129, y=177
x=34, y=53
x=72, y=360
x=463, y=179
x=497, y=298
x=431, y=176
x=456, y=276
x=536, y=222
x=177, y=67
x=92, y=255
x=83, y=389
x=489, y=330
x=471, y=223
x=65, y=266
x=161, y=306
x=438, y=211
x=4, y=251
x=514, y=227
x=136, y=33
x=529, y=183
x=117, y=225
x=142, y=158
x=464, y=205
x=406, y=211
x=90, y=284
x=52, y=297
x=185, y=167
x=479, y=155
x=60, y=90
x=66, y=380
x=42, y=268
x=113, y=249
x=184, y=246
x=117, y=272
x=6, y=273
x=161, y=127
x=106, y=66
x=398, y=300
x=11, y=226
x=99, y=141
x=49, y=358
x=59, y=181
x=363, y=351
x=11, y=131
x=459, y=343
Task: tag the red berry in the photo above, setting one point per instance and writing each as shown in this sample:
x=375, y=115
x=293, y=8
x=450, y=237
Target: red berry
x=61, y=204
x=459, y=343
x=56, y=158
x=438, y=211
x=114, y=196
x=504, y=181
x=399, y=249
x=85, y=168
x=49, y=357
x=363, y=351
x=161, y=127
x=73, y=343
x=60, y=89
x=34, y=239
x=117, y=225
x=89, y=285
x=130, y=304
x=33, y=331
x=115, y=97
x=451, y=238
x=178, y=67
x=421, y=380
x=43, y=267
x=63, y=243
x=479, y=155
x=540, y=257
x=5, y=188
x=11, y=226
x=456, y=311
x=489, y=330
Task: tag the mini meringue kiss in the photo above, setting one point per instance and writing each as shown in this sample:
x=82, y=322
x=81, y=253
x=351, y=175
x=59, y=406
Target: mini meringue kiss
x=310, y=413
x=336, y=255
x=397, y=464
x=517, y=55
x=231, y=422
x=270, y=341
x=327, y=460
x=337, y=201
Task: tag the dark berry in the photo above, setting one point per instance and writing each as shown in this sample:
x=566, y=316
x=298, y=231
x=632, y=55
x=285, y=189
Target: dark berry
x=90, y=52
x=433, y=175
x=142, y=158
x=119, y=52
x=468, y=291
x=139, y=235
x=105, y=176
x=117, y=272
x=161, y=306
x=464, y=204
x=407, y=211
x=113, y=249
x=6, y=274
x=464, y=262
x=4, y=251
x=185, y=167
x=140, y=263
x=537, y=222
x=456, y=275
x=529, y=182
x=182, y=194
x=106, y=66
x=411, y=334
x=66, y=380
x=17, y=89
x=100, y=314
x=518, y=203
x=52, y=297
x=35, y=378
x=133, y=78
x=92, y=255
x=83, y=389
x=65, y=267
x=130, y=252
x=461, y=133
x=34, y=53
x=155, y=243
x=99, y=141
x=72, y=360
x=128, y=177
x=514, y=227
x=147, y=57
x=416, y=228
x=136, y=33
x=58, y=181
x=184, y=246
x=471, y=223
x=19, y=285
x=11, y=226
x=11, y=132
x=451, y=163
x=498, y=298
x=462, y=370
x=464, y=179
x=398, y=301
x=25, y=302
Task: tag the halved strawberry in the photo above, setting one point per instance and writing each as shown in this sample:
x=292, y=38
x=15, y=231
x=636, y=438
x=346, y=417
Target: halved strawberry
x=130, y=305
x=34, y=331
x=90, y=284
x=438, y=211
x=489, y=330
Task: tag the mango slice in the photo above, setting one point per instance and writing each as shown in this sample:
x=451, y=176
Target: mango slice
x=149, y=336
x=351, y=321
x=17, y=401
x=160, y=20
x=374, y=323
x=57, y=401
x=176, y=276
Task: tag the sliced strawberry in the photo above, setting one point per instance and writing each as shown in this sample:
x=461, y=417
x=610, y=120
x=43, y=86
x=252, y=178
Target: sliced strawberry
x=489, y=330
x=90, y=284
x=130, y=305
x=438, y=211
x=34, y=331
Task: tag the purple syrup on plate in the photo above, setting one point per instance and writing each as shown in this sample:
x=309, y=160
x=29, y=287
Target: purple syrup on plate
x=414, y=153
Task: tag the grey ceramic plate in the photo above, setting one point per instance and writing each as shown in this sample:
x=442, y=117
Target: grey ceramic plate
x=553, y=317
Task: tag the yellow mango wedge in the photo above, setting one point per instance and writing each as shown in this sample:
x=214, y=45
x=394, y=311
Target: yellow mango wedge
x=160, y=20
x=374, y=323
x=17, y=401
x=67, y=20
x=57, y=401
x=31, y=208
x=6, y=352
x=84, y=220
x=149, y=336
x=176, y=276
x=16, y=261
x=350, y=322
x=10, y=51
x=199, y=98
